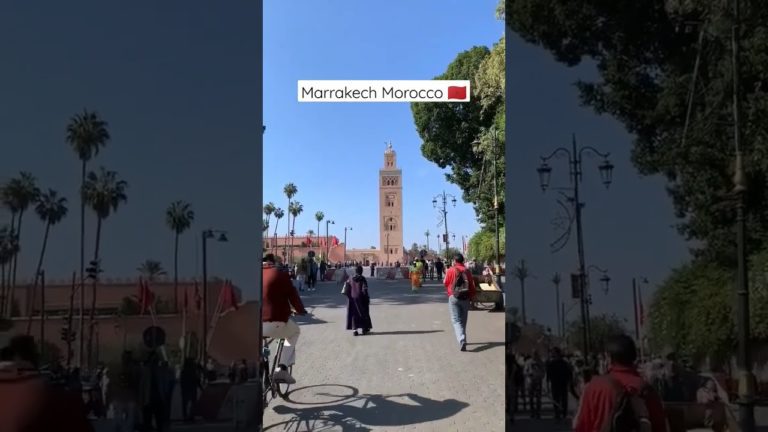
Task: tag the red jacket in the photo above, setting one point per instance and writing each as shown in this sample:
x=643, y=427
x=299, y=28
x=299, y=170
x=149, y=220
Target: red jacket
x=599, y=398
x=450, y=276
x=278, y=296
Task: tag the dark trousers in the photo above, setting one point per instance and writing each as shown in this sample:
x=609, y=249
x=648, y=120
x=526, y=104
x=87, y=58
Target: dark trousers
x=155, y=413
x=188, y=399
x=518, y=396
x=311, y=280
x=560, y=400
x=534, y=399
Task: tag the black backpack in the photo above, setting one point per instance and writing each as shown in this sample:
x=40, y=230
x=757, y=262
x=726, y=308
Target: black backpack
x=630, y=413
x=460, y=287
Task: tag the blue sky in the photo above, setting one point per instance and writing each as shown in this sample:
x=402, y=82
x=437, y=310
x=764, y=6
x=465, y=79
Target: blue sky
x=178, y=83
x=628, y=229
x=333, y=152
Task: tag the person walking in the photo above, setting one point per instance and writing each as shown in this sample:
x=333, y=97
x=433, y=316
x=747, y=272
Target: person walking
x=620, y=400
x=439, y=267
x=534, y=376
x=190, y=383
x=460, y=288
x=323, y=269
x=559, y=376
x=358, y=303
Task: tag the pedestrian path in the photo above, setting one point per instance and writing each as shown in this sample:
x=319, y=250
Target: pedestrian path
x=407, y=375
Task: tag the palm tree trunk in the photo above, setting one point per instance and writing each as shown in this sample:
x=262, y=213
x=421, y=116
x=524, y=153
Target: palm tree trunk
x=318, y=233
x=277, y=222
x=15, y=265
x=6, y=277
x=4, y=290
x=32, y=296
x=92, y=318
x=81, y=332
x=176, y=272
x=522, y=295
x=288, y=236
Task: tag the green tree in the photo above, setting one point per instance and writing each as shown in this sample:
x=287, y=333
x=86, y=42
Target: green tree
x=692, y=310
x=178, y=217
x=482, y=245
x=290, y=190
x=449, y=131
x=9, y=247
x=150, y=270
x=104, y=191
x=51, y=209
x=269, y=209
x=646, y=61
x=87, y=133
x=601, y=328
x=295, y=210
x=17, y=195
x=319, y=216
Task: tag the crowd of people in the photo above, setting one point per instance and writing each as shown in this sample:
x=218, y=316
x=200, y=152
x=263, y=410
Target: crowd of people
x=601, y=383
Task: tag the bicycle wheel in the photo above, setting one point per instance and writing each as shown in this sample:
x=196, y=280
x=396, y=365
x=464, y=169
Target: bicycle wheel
x=283, y=388
x=266, y=381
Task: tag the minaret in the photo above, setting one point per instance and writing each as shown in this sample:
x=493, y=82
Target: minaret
x=391, y=208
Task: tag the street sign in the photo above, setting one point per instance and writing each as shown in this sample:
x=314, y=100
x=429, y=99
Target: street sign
x=575, y=286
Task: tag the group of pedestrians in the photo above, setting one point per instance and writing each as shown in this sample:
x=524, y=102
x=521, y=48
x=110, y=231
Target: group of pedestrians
x=615, y=391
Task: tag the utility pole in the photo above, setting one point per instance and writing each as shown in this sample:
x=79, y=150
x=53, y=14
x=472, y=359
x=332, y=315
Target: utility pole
x=746, y=392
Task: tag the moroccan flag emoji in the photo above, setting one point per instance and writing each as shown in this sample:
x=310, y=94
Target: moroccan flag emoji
x=456, y=92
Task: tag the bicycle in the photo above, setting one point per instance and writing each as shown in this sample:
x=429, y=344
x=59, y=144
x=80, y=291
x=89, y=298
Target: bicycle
x=269, y=385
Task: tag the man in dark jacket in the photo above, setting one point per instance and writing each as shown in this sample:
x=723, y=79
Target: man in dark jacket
x=559, y=375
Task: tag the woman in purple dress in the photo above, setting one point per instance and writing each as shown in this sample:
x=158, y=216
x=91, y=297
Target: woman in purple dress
x=358, y=303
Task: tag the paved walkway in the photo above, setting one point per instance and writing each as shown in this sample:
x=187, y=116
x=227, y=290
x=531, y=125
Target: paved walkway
x=407, y=375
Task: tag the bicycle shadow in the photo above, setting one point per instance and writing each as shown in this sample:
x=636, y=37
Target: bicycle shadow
x=378, y=411
x=402, y=332
x=484, y=346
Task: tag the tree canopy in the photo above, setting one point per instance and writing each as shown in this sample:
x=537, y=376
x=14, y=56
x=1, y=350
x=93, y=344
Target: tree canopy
x=468, y=137
x=645, y=52
x=601, y=328
x=482, y=245
x=692, y=312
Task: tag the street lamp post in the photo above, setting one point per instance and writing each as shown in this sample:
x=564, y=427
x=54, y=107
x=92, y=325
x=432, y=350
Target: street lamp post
x=345, y=242
x=222, y=237
x=443, y=208
x=426, y=234
x=575, y=156
x=746, y=393
x=327, y=241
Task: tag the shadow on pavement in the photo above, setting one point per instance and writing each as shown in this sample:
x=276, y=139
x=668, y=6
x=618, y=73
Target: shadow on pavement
x=484, y=346
x=404, y=332
x=376, y=411
x=539, y=425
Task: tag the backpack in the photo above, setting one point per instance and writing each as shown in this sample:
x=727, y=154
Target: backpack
x=630, y=413
x=460, y=288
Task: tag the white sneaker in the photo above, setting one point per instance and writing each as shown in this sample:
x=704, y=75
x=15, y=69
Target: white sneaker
x=283, y=376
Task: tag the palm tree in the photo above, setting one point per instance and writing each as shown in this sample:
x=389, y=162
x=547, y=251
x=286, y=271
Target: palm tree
x=319, y=216
x=521, y=273
x=179, y=217
x=279, y=213
x=51, y=209
x=269, y=208
x=150, y=269
x=86, y=133
x=290, y=191
x=9, y=247
x=19, y=193
x=296, y=209
x=104, y=192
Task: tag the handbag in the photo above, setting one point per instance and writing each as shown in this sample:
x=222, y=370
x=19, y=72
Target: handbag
x=345, y=288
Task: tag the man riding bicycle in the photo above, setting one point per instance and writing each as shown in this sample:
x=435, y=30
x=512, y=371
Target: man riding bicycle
x=279, y=295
